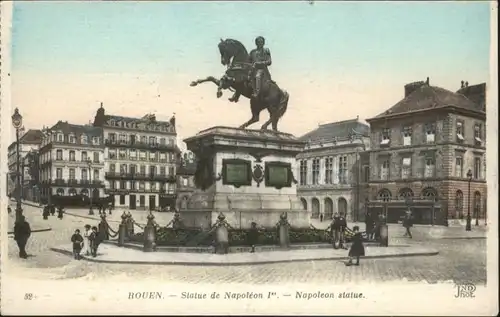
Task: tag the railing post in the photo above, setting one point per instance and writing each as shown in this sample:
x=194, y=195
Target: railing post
x=283, y=231
x=150, y=234
x=122, y=230
x=221, y=236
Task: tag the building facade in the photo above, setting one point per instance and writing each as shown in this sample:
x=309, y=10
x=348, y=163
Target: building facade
x=186, y=169
x=140, y=160
x=330, y=169
x=71, y=159
x=28, y=142
x=422, y=150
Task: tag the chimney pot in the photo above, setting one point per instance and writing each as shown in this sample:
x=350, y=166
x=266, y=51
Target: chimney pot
x=462, y=84
x=466, y=84
x=427, y=81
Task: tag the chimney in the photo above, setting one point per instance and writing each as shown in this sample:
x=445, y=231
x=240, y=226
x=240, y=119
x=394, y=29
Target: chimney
x=427, y=81
x=466, y=84
x=462, y=84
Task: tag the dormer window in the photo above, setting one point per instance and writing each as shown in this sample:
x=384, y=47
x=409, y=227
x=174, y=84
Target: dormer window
x=60, y=137
x=430, y=132
x=72, y=138
x=95, y=140
x=84, y=139
x=386, y=137
x=477, y=134
x=460, y=131
x=407, y=133
x=112, y=122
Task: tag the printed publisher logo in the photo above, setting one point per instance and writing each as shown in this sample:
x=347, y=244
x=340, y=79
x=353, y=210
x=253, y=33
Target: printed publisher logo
x=465, y=290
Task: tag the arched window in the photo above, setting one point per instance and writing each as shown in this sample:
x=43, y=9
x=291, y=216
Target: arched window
x=328, y=208
x=430, y=193
x=315, y=208
x=406, y=193
x=84, y=192
x=384, y=195
x=459, y=204
x=60, y=192
x=304, y=203
x=72, y=192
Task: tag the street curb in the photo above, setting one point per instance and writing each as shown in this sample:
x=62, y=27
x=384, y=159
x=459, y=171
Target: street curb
x=36, y=230
x=465, y=238
x=96, y=260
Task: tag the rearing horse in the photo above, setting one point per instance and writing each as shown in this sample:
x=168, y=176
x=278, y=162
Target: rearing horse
x=238, y=77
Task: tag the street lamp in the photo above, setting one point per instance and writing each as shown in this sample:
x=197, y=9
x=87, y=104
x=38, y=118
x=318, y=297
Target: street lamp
x=468, y=224
x=89, y=164
x=476, y=210
x=17, y=122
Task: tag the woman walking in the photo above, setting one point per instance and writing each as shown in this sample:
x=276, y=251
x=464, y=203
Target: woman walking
x=357, y=248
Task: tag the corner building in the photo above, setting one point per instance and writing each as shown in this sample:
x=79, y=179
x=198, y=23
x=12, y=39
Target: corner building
x=140, y=164
x=422, y=150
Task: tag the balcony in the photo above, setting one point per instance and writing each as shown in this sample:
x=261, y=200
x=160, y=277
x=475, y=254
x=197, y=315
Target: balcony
x=139, y=145
x=140, y=176
x=72, y=182
x=117, y=191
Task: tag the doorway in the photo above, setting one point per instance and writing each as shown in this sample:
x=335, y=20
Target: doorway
x=152, y=202
x=132, y=202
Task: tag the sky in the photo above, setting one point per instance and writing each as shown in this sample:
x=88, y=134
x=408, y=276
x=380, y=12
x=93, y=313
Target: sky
x=337, y=60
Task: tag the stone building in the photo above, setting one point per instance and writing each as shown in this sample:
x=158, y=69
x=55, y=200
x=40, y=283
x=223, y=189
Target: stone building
x=330, y=171
x=186, y=167
x=71, y=161
x=28, y=142
x=140, y=160
x=422, y=149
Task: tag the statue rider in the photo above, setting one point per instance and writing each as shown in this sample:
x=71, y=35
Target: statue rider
x=260, y=58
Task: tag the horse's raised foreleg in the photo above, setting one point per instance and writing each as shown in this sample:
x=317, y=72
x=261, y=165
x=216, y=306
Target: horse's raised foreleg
x=254, y=105
x=255, y=118
x=208, y=79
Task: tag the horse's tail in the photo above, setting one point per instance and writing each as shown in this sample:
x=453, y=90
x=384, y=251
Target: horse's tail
x=283, y=103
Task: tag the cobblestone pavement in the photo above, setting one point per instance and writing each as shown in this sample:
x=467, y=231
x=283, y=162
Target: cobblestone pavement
x=458, y=261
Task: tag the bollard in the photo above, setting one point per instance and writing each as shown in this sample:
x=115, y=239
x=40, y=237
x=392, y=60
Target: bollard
x=384, y=235
x=150, y=235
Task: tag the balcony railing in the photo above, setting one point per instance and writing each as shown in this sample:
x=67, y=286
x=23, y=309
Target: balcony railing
x=139, y=145
x=140, y=176
x=73, y=183
x=117, y=191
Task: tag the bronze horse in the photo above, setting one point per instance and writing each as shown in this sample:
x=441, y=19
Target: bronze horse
x=239, y=78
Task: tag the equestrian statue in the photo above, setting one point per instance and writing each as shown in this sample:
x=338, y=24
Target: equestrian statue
x=248, y=75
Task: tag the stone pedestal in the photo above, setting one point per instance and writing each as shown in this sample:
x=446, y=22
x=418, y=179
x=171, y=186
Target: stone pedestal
x=248, y=175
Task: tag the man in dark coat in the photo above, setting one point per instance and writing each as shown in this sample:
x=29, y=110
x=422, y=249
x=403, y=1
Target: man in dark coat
x=22, y=232
x=253, y=236
x=94, y=240
x=408, y=223
x=357, y=248
x=60, y=211
x=342, y=226
x=77, y=241
x=46, y=212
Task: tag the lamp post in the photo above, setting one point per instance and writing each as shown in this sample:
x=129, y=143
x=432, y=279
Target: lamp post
x=468, y=224
x=476, y=210
x=17, y=122
x=89, y=164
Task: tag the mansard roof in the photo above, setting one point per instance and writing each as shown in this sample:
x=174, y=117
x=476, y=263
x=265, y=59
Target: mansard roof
x=340, y=130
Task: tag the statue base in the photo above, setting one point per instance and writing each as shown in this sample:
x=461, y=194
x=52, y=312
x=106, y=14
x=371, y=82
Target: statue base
x=247, y=175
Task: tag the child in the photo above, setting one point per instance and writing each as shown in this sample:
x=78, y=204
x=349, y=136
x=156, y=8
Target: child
x=86, y=235
x=357, y=248
x=77, y=240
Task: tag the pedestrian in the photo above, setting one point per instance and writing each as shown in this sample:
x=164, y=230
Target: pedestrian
x=335, y=226
x=78, y=244
x=342, y=226
x=9, y=210
x=103, y=228
x=52, y=209
x=46, y=212
x=86, y=236
x=94, y=241
x=60, y=211
x=357, y=249
x=253, y=236
x=321, y=218
x=22, y=232
x=369, y=225
x=408, y=223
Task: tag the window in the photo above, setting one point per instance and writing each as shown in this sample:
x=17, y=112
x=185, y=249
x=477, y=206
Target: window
x=366, y=173
x=430, y=167
x=171, y=142
x=59, y=174
x=123, y=184
x=153, y=156
x=343, y=170
x=171, y=171
x=459, y=163
x=144, y=139
x=407, y=133
x=84, y=139
x=477, y=168
x=460, y=131
x=477, y=134
x=60, y=137
x=112, y=137
x=59, y=155
x=72, y=139
x=123, y=138
x=406, y=194
x=84, y=156
x=303, y=172
x=315, y=171
x=95, y=140
x=163, y=170
x=96, y=174
x=133, y=169
x=71, y=173
x=152, y=170
x=71, y=155
x=112, y=154
x=430, y=132
x=142, y=155
x=163, y=141
x=430, y=193
x=122, y=154
x=384, y=169
x=123, y=169
x=96, y=157
x=152, y=140
x=84, y=174
x=122, y=199
x=459, y=204
x=477, y=204
x=112, y=167
x=384, y=195
x=132, y=185
x=111, y=184
x=386, y=136
x=163, y=157
x=329, y=170
x=132, y=155
x=406, y=168
x=152, y=185
x=142, y=185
